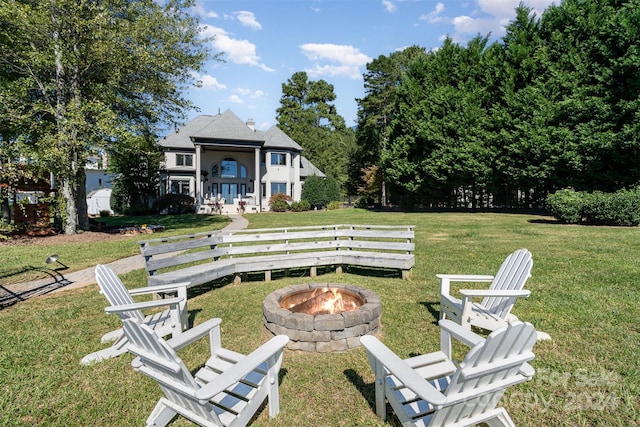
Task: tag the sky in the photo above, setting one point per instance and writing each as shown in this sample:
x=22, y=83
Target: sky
x=264, y=42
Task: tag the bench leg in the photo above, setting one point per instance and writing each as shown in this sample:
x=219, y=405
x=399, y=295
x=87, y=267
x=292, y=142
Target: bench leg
x=267, y=276
x=405, y=274
x=313, y=271
x=237, y=279
x=339, y=269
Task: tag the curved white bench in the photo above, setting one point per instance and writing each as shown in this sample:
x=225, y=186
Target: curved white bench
x=203, y=257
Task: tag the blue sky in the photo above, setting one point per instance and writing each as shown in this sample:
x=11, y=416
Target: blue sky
x=265, y=42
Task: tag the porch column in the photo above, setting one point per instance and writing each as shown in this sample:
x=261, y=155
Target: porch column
x=198, y=174
x=257, y=186
x=297, y=192
x=289, y=163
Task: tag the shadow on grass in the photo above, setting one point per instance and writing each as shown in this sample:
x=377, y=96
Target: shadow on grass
x=431, y=308
x=11, y=294
x=368, y=391
x=173, y=222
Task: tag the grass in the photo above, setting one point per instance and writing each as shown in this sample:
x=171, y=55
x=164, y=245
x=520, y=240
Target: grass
x=27, y=262
x=584, y=294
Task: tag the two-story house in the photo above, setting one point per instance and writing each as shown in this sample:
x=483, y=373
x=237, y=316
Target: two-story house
x=215, y=157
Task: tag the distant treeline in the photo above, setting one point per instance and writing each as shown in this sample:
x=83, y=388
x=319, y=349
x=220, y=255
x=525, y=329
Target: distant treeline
x=553, y=104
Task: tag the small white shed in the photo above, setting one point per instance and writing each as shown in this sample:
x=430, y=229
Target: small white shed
x=99, y=200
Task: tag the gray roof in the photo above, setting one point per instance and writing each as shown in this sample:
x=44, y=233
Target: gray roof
x=226, y=126
x=276, y=138
x=307, y=168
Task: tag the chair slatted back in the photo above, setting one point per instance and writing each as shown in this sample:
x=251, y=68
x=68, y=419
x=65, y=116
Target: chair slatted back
x=157, y=360
x=489, y=369
x=116, y=293
x=512, y=275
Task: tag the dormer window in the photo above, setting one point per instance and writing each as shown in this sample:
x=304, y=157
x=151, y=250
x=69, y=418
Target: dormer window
x=184, y=160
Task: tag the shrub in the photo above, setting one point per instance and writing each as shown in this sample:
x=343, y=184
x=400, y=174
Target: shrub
x=105, y=213
x=620, y=208
x=301, y=206
x=320, y=191
x=6, y=229
x=279, y=202
x=333, y=205
x=567, y=205
x=361, y=203
x=119, y=200
x=174, y=203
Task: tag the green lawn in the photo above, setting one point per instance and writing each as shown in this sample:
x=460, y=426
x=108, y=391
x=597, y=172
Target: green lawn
x=27, y=262
x=585, y=294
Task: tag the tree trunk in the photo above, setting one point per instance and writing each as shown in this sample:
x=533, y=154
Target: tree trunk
x=81, y=199
x=6, y=211
x=69, y=194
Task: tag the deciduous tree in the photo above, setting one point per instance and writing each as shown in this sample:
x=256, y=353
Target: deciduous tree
x=92, y=73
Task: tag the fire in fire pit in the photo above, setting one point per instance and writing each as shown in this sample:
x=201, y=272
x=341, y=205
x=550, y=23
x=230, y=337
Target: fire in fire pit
x=322, y=317
x=322, y=301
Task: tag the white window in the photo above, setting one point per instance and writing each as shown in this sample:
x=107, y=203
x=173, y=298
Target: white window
x=278, y=159
x=278, y=187
x=184, y=159
x=180, y=186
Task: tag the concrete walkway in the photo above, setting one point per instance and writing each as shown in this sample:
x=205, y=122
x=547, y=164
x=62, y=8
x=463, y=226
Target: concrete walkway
x=77, y=279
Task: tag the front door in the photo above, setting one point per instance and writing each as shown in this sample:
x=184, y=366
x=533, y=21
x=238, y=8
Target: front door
x=229, y=191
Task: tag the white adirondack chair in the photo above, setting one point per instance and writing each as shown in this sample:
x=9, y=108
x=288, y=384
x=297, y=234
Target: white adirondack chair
x=227, y=391
x=171, y=321
x=494, y=311
x=430, y=390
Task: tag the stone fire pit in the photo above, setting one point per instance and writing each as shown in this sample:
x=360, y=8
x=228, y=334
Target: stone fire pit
x=296, y=311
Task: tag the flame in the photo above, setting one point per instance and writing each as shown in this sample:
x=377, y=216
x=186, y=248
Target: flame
x=335, y=304
x=325, y=301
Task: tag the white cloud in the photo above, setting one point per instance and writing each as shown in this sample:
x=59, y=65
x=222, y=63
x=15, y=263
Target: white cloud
x=469, y=25
x=434, y=16
x=496, y=15
x=208, y=82
x=249, y=93
x=389, y=6
x=237, y=51
x=236, y=99
x=199, y=9
x=248, y=19
x=242, y=94
x=506, y=8
x=345, y=60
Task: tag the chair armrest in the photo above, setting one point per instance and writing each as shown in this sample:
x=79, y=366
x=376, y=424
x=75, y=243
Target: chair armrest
x=465, y=336
x=401, y=370
x=465, y=277
x=446, y=279
x=494, y=293
x=527, y=370
x=247, y=364
x=173, y=287
x=194, y=334
x=145, y=304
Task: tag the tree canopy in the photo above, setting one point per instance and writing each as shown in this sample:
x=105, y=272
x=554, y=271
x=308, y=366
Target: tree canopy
x=308, y=116
x=82, y=76
x=553, y=104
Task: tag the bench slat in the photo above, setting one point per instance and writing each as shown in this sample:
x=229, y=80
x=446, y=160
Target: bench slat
x=265, y=250
x=163, y=248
